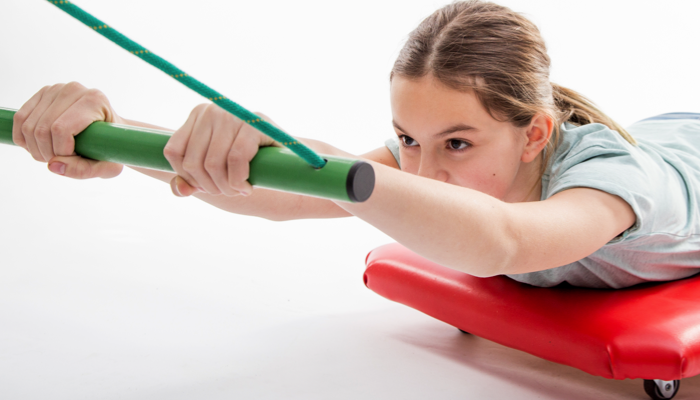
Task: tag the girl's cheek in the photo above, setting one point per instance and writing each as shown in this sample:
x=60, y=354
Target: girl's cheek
x=486, y=182
x=407, y=165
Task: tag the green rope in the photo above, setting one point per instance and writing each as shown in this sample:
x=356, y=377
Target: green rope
x=136, y=49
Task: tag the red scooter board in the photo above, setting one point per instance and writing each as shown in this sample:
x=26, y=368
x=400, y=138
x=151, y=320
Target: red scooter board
x=649, y=331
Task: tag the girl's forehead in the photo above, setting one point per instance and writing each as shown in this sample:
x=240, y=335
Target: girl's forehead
x=417, y=102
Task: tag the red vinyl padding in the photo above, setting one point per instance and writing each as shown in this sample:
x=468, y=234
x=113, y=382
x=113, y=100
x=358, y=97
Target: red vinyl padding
x=650, y=331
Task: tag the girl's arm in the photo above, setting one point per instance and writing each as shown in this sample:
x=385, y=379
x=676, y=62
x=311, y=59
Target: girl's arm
x=473, y=232
x=454, y=226
x=271, y=204
x=457, y=227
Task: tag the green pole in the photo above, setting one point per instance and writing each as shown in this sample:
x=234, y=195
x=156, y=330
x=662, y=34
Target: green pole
x=273, y=167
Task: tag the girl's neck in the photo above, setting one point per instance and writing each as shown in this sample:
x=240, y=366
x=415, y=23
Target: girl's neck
x=528, y=183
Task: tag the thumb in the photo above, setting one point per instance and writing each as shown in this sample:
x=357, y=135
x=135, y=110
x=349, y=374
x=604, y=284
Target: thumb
x=181, y=188
x=77, y=167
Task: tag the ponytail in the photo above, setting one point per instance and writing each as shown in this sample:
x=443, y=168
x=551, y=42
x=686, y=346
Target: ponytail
x=578, y=110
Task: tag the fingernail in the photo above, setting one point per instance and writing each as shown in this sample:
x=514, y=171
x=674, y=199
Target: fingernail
x=58, y=168
x=176, y=190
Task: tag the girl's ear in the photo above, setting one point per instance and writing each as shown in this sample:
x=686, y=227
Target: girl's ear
x=538, y=134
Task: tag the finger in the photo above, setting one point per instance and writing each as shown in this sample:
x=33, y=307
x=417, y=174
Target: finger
x=196, y=151
x=181, y=188
x=82, y=168
x=50, y=122
x=264, y=139
x=242, y=152
x=80, y=108
x=174, y=150
x=215, y=162
x=38, y=138
x=21, y=116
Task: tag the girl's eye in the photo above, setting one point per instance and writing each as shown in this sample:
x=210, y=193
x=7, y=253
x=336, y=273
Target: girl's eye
x=408, y=141
x=456, y=144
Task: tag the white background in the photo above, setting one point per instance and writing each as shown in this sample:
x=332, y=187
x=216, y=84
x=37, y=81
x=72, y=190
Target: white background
x=117, y=289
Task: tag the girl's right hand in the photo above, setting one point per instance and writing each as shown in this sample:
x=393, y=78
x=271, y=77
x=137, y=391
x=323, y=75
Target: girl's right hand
x=212, y=151
x=45, y=126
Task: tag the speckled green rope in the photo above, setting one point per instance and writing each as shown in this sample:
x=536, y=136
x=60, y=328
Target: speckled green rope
x=134, y=48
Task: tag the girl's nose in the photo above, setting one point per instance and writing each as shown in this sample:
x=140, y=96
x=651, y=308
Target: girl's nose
x=432, y=170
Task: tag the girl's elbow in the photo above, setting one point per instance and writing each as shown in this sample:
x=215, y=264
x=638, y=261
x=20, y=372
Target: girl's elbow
x=497, y=253
x=504, y=256
x=500, y=265
x=483, y=273
x=500, y=260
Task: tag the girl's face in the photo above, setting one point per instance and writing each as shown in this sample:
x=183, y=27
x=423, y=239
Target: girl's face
x=449, y=136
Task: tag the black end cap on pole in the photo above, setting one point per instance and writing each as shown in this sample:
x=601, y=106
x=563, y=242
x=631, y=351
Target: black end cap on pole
x=360, y=183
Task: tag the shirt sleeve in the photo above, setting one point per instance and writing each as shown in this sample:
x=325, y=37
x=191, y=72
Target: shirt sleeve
x=393, y=145
x=599, y=158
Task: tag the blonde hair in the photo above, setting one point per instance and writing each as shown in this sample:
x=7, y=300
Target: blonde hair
x=501, y=57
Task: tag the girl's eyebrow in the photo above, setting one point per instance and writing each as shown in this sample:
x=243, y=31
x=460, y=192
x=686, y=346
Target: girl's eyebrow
x=452, y=129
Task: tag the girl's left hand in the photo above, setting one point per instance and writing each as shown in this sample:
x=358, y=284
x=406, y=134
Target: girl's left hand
x=212, y=151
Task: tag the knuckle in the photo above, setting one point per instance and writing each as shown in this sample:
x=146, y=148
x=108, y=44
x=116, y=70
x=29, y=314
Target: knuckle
x=74, y=86
x=213, y=164
x=251, y=143
x=171, y=153
x=233, y=158
x=42, y=132
x=190, y=166
x=27, y=128
x=237, y=156
x=55, y=88
x=236, y=153
x=198, y=109
x=19, y=117
x=237, y=178
x=19, y=141
x=211, y=109
x=58, y=128
x=95, y=95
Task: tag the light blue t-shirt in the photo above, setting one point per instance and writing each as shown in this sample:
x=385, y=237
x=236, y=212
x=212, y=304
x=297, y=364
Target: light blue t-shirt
x=659, y=179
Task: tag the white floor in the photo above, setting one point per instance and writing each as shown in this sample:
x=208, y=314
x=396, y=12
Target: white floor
x=118, y=290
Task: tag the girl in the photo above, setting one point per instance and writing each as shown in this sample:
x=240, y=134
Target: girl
x=507, y=173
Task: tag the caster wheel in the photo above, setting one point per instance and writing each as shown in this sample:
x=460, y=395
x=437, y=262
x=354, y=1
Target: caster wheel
x=465, y=332
x=661, y=390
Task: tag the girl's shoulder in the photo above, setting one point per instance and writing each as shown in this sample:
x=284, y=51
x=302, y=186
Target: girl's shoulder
x=577, y=144
x=590, y=155
x=659, y=177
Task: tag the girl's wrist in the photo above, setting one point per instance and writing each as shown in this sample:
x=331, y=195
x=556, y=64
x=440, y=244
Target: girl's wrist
x=116, y=119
